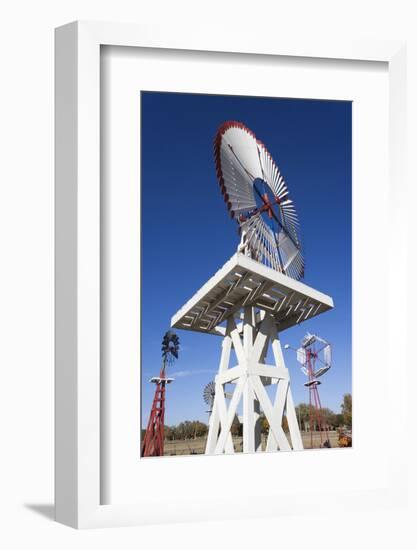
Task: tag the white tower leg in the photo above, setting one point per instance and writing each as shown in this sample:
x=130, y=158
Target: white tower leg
x=214, y=423
x=250, y=342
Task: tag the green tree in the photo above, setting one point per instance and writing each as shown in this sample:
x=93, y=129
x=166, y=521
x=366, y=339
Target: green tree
x=200, y=429
x=168, y=433
x=237, y=428
x=302, y=410
x=347, y=409
x=328, y=416
x=303, y=415
x=338, y=420
x=189, y=429
x=264, y=425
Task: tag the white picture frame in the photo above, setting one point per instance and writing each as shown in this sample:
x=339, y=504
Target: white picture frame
x=78, y=501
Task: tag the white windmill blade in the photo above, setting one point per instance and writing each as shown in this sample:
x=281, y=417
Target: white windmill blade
x=255, y=191
x=321, y=352
x=277, y=184
x=237, y=160
x=290, y=254
x=271, y=173
x=327, y=353
x=261, y=241
x=322, y=370
x=308, y=340
x=301, y=355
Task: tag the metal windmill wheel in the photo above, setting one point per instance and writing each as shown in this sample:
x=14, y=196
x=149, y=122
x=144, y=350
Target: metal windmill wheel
x=319, y=350
x=170, y=347
x=209, y=393
x=256, y=196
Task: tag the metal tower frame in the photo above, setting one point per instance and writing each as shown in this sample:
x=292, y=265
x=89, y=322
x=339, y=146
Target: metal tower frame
x=153, y=442
x=315, y=417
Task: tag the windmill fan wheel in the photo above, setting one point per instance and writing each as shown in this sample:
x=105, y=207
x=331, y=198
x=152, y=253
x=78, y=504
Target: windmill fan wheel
x=170, y=346
x=209, y=392
x=257, y=197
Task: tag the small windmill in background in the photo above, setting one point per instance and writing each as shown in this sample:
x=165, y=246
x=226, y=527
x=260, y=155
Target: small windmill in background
x=153, y=442
x=209, y=393
x=315, y=357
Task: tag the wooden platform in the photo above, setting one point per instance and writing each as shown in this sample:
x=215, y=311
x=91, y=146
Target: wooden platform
x=245, y=282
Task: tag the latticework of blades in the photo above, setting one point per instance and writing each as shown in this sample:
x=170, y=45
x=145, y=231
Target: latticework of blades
x=170, y=347
x=318, y=348
x=301, y=356
x=327, y=353
x=243, y=164
x=209, y=393
x=308, y=340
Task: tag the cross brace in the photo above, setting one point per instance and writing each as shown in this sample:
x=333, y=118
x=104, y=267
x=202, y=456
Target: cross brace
x=250, y=342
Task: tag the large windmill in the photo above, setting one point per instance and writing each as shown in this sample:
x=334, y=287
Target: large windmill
x=254, y=296
x=153, y=442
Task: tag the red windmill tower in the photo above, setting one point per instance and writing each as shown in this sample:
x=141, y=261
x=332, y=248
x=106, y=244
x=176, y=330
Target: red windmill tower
x=153, y=442
x=315, y=358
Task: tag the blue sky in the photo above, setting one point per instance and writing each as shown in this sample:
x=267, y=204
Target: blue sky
x=187, y=234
